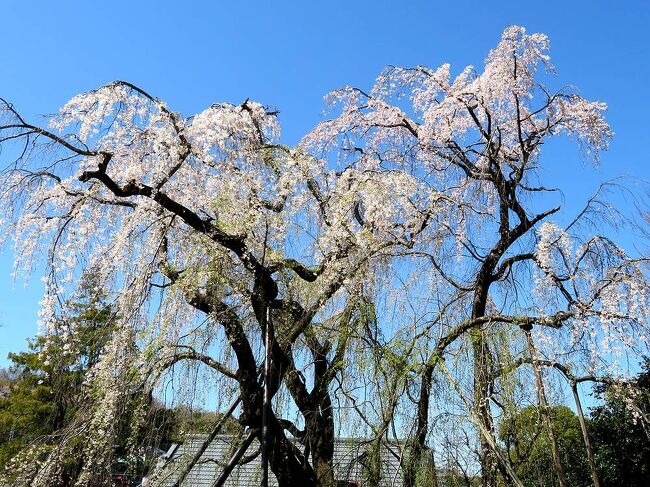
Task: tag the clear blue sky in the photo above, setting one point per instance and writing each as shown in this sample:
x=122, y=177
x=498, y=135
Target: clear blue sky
x=289, y=54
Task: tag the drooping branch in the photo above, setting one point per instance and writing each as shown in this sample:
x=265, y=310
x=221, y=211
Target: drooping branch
x=192, y=354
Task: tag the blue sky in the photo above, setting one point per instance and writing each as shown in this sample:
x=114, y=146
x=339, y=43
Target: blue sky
x=289, y=54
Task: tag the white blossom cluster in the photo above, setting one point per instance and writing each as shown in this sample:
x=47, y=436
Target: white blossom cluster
x=224, y=167
x=606, y=291
x=424, y=167
x=452, y=134
x=433, y=116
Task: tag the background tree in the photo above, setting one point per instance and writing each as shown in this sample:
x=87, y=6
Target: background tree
x=620, y=433
x=6, y=379
x=46, y=383
x=528, y=447
x=45, y=390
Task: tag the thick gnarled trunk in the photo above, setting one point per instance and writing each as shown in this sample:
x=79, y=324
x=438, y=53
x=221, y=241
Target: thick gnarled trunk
x=482, y=408
x=320, y=440
x=481, y=367
x=287, y=462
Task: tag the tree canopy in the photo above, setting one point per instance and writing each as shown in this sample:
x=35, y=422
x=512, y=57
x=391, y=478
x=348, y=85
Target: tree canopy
x=400, y=267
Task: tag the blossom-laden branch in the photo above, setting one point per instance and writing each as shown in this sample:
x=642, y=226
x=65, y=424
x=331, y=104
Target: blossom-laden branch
x=209, y=233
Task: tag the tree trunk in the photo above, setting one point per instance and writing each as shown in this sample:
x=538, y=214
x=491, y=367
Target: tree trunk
x=286, y=461
x=320, y=436
x=482, y=406
x=482, y=376
x=545, y=411
x=585, y=435
x=321, y=441
x=417, y=447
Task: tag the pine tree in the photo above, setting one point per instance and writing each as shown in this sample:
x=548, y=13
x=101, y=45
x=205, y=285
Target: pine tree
x=41, y=391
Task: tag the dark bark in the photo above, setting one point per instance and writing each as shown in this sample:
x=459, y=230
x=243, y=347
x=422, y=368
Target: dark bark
x=320, y=437
x=482, y=372
x=316, y=408
x=416, y=448
x=286, y=461
x=482, y=407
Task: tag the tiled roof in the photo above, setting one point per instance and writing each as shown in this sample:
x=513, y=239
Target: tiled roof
x=349, y=459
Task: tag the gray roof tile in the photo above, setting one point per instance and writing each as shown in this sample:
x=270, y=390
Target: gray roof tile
x=349, y=455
